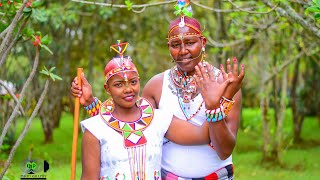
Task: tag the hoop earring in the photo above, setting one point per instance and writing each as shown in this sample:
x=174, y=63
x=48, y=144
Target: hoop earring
x=109, y=104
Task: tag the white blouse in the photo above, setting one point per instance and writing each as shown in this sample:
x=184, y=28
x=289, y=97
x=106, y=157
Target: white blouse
x=114, y=156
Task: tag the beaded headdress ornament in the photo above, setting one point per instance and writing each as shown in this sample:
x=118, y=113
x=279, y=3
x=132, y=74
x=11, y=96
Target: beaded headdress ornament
x=183, y=8
x=120, y=64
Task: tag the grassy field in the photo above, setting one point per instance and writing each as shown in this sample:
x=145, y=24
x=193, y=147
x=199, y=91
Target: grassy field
x=299, y=161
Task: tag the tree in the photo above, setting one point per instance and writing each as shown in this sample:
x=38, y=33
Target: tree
x=17, y=15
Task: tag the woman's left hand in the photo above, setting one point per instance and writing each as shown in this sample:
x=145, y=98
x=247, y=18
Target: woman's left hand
x=210, y=89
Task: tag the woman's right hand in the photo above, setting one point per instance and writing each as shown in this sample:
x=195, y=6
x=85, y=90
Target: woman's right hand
x=84, y=92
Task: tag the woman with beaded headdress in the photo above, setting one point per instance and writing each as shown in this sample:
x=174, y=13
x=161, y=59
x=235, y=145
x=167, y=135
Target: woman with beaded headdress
x=177, y=90
x=125, y=140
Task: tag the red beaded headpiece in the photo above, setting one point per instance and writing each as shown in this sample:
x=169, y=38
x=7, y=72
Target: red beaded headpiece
x=184, y=9
x=119, y=64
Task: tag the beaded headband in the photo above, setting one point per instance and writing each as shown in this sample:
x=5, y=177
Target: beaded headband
x=120, y=64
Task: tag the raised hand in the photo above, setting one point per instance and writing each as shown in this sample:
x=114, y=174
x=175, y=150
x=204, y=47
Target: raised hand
x=233, y=75
x=84, y=92
x=210, y=89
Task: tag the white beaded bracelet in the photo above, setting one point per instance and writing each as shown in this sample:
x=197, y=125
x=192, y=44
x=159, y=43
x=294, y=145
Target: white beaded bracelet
x=215, y=115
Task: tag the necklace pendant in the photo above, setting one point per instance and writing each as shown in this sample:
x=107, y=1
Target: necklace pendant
x=134, y=139
x=186, y=97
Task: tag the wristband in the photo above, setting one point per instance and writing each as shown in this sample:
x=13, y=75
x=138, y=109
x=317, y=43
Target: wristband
x=94, y=107
x=227, y=104
x=215, y=115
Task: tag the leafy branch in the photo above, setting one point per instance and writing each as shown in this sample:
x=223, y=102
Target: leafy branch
x=315, y=9
x=50, y=73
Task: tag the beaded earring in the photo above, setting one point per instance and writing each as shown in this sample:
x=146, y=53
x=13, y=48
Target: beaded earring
x=109, y=104
x=203, y=54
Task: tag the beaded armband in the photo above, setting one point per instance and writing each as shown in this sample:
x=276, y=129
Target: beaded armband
x=215, y=115
x=93, y=108
x=227, y=104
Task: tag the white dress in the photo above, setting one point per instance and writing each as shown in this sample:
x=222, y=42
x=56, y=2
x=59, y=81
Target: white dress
x=114, y=156
x=188, y=161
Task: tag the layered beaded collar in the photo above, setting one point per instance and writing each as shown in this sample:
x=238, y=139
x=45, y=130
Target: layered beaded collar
x=132, y=131
x=185, y=85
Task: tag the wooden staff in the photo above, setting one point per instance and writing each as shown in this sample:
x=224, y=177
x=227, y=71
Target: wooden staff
x=75, y=129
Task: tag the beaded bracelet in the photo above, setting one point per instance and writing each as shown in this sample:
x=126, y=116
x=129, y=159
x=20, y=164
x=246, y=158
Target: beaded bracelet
x=94, y=107
x=226, y=104
x=215, y=115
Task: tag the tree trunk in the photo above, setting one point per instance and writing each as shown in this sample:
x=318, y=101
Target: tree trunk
x=267, y=156
x=48, y=138
x=57, y=113
x=275, y=90
x=47, y=126
x=50, y=113
x=297, y=125
x=220, y=32
x=280, y=117
x=296, y=114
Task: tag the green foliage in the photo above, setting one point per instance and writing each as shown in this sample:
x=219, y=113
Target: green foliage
x=50, y=73
x=28, y=32
x=128, y=4
x=37, y=3
x=41, y=41
x=315, y=8
x=27, y=10
x=46, y=40
x=39, y=15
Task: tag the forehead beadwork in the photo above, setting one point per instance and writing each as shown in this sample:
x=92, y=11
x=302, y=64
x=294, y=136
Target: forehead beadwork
x=120, y=64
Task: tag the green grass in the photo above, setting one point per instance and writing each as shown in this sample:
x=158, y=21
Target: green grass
x=58, y=154
x=299, y=161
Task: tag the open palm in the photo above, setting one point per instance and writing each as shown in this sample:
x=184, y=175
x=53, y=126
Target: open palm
x=210, y=89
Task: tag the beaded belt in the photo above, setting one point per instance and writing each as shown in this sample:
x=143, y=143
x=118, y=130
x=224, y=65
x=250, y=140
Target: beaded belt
x=221, y=174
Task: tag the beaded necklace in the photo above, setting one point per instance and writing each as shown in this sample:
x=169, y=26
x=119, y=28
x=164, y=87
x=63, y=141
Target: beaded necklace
x=133, y=138
x=186, y=108
x=185, y=86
